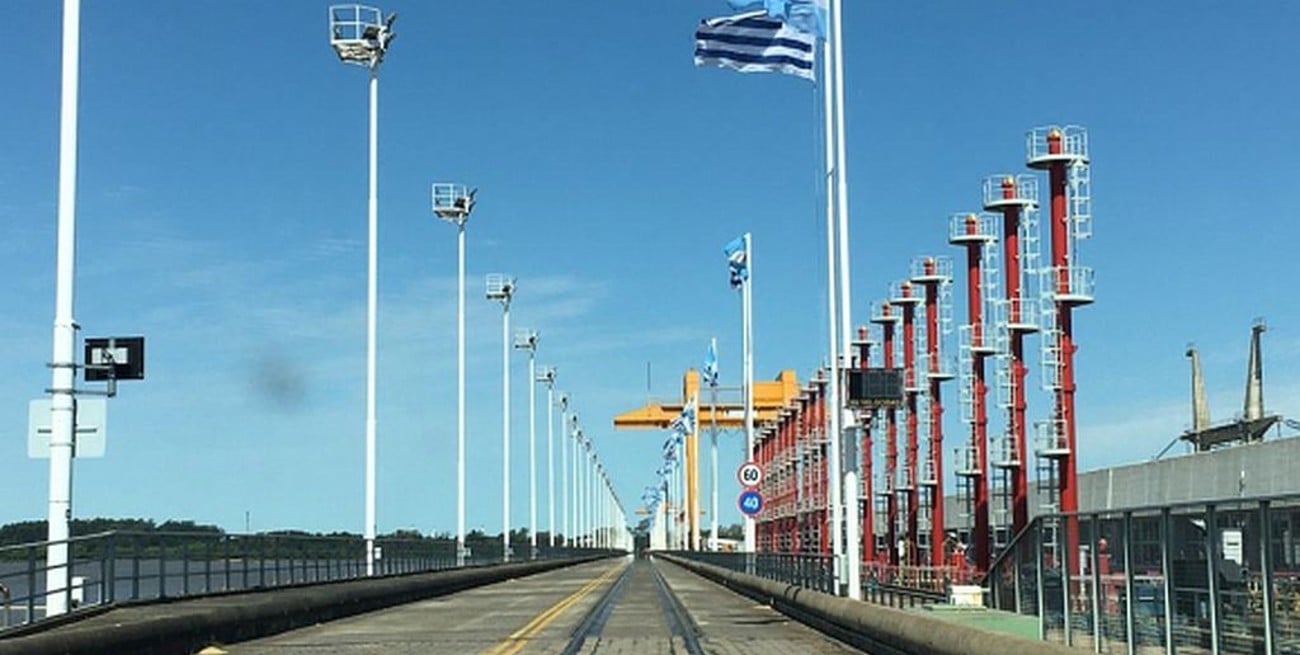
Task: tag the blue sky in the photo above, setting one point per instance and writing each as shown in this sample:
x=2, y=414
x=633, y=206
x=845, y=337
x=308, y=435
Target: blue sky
x=222, y=214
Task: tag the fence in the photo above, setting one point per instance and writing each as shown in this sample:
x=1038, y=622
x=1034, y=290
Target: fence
x=1206, y=577
x=115, y=566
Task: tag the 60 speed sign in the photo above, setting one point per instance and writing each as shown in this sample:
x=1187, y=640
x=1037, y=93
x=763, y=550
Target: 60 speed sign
x=750, y=475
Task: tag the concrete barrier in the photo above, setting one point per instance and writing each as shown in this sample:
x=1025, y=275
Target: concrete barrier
x=875, y=628
x=188, y=625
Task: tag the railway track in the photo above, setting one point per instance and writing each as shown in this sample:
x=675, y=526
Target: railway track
x=626, y=606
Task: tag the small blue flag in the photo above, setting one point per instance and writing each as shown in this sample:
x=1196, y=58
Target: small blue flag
x=684, y=424
x=738, y=260
x=711, y=364
x=804, y=15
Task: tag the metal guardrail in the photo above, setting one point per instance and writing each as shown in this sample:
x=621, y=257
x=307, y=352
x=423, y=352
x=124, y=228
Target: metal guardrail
x=813, y=571
x=116, y=566
x=906, y=586
x=1203, y=577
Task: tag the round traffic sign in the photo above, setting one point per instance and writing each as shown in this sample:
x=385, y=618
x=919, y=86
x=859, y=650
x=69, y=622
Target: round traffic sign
x=750, y=502
x=750, y=475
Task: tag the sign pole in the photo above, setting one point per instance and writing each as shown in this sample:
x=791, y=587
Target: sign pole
x=63, y=366
x=713, y=452
x=747, y=321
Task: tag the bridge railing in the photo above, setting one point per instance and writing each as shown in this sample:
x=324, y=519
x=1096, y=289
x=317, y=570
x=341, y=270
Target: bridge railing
x=1202, y=577
x=115, y=566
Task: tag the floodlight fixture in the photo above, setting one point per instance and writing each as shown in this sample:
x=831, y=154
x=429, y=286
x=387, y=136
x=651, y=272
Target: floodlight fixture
x=500, y=287
x=526, y=339
x=360, y=34
x=546, y=375
x=453, y=202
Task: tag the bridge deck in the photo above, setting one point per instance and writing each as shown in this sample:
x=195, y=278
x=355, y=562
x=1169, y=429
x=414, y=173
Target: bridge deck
x=607, y=607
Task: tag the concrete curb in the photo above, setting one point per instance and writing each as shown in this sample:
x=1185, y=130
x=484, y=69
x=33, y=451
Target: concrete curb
x=881, y=628
x=186, y=626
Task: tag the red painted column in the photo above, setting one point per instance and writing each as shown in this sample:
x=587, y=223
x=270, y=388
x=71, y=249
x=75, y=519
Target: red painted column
x=980, y=533
x=869, y=508
x=891, y=449
x=910, y=455
x=1016, y=428
x=801, y=471
x=1067, y=468
x=935, y=493
x=823, y=475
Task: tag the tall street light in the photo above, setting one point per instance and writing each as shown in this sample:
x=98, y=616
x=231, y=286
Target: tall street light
x=575, y=497
x=453, y=203
x=564, y=464
x=502, y=288
x=361, y=35
x=527, y=340
x=546, y=375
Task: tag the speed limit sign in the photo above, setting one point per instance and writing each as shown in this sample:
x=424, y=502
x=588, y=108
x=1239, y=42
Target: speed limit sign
x=750, y=475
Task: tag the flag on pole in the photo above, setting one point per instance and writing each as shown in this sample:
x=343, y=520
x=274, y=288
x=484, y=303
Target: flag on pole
x=711, y=364
x=754, y=43
x=738, y=261
x=684, y=423
x=670, y=449
x=804, y=15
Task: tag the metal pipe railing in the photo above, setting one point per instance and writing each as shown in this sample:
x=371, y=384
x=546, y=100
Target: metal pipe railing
x=108, y=567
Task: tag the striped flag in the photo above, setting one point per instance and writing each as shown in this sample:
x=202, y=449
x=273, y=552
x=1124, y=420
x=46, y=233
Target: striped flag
x=753, y=43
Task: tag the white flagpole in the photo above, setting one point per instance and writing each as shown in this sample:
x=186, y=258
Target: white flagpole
x=694, y=474
x=852, y=527
x=833, y=384
x=747, y=325
x=713, y=451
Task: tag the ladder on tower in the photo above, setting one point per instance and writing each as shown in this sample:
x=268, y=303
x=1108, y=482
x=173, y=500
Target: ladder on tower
x=1050, y=359
x=1052, y=447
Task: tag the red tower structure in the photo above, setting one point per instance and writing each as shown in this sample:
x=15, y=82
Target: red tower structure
x=1063, y=153
x=862, y=345
x=977, y=234
x=1016, y=198
x=888, y=322
x=868, y=534
x=934, y=274
x=903, y=297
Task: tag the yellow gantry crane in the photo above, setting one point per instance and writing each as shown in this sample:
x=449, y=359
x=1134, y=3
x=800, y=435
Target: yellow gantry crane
x=769, y=398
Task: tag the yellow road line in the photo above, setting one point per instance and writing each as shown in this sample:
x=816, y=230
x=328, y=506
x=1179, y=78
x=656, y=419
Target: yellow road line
x=519, y=638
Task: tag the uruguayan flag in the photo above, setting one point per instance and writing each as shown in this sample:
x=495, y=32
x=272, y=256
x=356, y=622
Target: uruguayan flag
x=754, y=43
x=737, y=260
x=711, y=364
x=805, y=15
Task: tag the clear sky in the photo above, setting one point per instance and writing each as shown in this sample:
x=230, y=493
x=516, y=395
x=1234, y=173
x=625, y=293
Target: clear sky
x=222, y=213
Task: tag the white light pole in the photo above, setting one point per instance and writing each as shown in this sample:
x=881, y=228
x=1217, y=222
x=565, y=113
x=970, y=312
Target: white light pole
x=502, y=289
x=527, y=340
x=573, y=480
x=546, y=375
x=564, y=466
x=453, y=203
x=361, y=35
x=63, y=366
x=579, y=480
